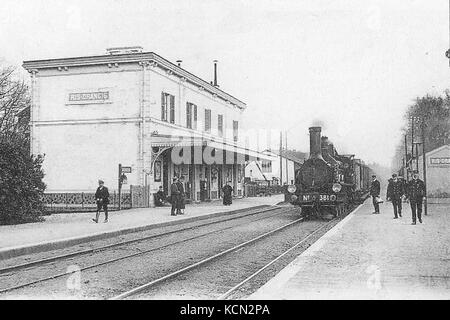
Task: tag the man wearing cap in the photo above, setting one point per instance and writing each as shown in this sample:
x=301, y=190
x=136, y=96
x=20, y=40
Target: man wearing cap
x=416, y=194
x=102, y=199
x=174, y=193
x=181, y=196
x=375, y=193
x=395, y=191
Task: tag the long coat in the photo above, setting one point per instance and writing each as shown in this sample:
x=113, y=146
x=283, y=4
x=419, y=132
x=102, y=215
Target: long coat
x=181, y=195
x=227, y=198
x=375, y=188
x=416, y=189
x=395, y=189
x=102, y=194
x=174, y=193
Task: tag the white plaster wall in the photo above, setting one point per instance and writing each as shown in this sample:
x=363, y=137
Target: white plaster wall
x=76, y=156
x=124, y=89
x=438, y=176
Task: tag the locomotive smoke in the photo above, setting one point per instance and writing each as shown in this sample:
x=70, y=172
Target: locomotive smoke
x=318, y=123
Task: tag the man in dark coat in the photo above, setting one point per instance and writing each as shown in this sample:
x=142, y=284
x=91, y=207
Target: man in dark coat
x=181, y=196
x=160, y=197
x=416, y=194
x=375, y=193
x=174, y=193
x=227, y=194
x=395, y=191
x=102, y=199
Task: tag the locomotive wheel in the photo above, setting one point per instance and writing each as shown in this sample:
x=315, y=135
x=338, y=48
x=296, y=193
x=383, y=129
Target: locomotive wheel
x=306, y=212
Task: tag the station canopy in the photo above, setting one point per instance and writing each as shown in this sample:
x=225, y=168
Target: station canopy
x=170, y=141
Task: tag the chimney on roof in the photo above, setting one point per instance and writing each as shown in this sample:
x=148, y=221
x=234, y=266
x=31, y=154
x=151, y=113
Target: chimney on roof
x=179, y=62
x=215, y=74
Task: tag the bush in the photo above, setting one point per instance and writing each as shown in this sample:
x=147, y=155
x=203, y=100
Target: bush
x=21, y=185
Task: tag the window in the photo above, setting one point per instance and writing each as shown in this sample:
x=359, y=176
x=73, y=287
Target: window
x=191, y=115
x=266, y=166
x=235, y=130
x=167, y=101
x=207, y=120
x=220, y=125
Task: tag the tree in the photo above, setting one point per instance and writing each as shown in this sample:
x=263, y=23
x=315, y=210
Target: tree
x=21, y=185
x=432, y=113
x=14, y=100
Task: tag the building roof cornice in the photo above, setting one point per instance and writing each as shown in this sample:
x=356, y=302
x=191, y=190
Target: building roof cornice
x=134, y=58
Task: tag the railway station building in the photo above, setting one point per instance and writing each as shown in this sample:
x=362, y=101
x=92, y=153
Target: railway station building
x=90, y=114
x=278, y=169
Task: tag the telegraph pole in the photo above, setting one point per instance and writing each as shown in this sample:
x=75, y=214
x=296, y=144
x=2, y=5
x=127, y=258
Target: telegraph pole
x=406, y=159
x=120, y=182
x=424, y=163
x=287, y=165
x=281, y=158
x=412, y=141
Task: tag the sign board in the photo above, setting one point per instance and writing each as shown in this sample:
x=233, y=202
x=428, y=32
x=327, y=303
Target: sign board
x=126, y=169
x=443, y=160
x=89, y=96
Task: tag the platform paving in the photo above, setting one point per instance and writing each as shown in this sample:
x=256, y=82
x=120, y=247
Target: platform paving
x=368, y=256
x=71, y=228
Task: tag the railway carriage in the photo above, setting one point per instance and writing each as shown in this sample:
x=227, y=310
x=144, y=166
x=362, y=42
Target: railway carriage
x=328, y=183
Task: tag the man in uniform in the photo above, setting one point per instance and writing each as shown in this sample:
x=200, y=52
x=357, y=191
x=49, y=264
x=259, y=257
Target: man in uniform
x=227, y=194
x=102, y=199
x=181, y=196
x=395, y=191
x=375, y=193
x=416, y=194
x=174, y=192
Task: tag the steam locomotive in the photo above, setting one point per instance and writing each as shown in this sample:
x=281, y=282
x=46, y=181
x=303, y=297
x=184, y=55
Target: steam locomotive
x=328, y=183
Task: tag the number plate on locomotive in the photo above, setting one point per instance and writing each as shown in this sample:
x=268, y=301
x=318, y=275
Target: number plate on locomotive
x=317, y=197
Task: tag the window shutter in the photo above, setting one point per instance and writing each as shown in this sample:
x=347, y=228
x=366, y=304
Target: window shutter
x=195, y=116
x=235, y=130
x=172, y=109
x=188, y=115
x=207, y=120
x=220, y=124
x=163, y=107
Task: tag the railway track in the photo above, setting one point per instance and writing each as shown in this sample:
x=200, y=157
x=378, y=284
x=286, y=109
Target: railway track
x=200, y=263
x=191, y=242
x=227, y=294
x=120, y=243
x=97, y=250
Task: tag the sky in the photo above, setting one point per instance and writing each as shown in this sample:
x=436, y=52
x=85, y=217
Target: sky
x=351, y=66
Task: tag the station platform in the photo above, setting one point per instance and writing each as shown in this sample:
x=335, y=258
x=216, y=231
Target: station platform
x=64, y=229
x=372, y=256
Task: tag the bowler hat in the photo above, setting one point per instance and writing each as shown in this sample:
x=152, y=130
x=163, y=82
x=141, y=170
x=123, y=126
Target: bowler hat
x=394, y=175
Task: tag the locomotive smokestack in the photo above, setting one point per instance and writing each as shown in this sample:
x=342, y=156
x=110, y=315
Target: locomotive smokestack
x=315, y=149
